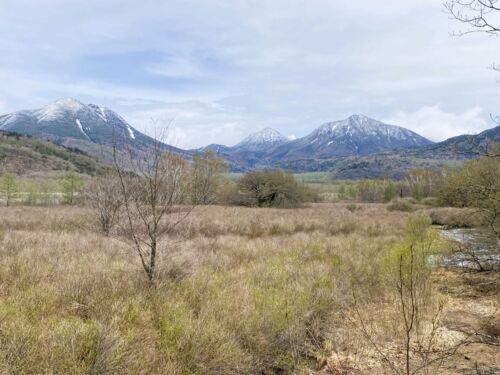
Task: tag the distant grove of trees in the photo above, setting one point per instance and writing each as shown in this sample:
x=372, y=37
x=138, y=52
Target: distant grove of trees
x=206, y=183
x=203, y=181
x=418, y=184
x=40, y=191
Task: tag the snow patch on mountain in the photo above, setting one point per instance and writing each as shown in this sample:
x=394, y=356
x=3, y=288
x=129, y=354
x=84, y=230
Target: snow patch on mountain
x=79, y=124
x=58, y=109
x=130, y=131
x=102, y=114
x=9, y=119
x=264, y=137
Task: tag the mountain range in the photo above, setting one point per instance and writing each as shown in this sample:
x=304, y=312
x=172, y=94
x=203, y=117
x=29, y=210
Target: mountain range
x=356, y=147
x=70, y=123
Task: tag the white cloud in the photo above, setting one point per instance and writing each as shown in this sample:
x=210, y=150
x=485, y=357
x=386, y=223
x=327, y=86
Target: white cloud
x=286, y=65
x=3, y=108
x=436, y=124
x=177, y=67
x=193, y=123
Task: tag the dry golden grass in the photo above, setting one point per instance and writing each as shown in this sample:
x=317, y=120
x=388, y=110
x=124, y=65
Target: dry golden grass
x=250, y=291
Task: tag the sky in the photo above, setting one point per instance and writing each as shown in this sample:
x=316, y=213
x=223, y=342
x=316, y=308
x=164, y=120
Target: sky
x=218, y=70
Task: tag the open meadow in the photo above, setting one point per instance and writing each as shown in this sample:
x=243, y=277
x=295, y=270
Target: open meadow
x=220, y=187
x=238, y=291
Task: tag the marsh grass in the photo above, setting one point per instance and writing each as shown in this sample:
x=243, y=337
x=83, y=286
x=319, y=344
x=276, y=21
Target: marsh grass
x=251, y=291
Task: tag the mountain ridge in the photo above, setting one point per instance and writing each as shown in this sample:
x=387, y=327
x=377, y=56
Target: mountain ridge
x=88, y=127
x=352, y=142
x=356, y=135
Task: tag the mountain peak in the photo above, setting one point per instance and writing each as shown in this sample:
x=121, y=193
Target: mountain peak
x=68, y=102
x=58, y=109
x=264, y=137
x=359, y=117
x=354, y=136
x=362, y=124
x=68, y=121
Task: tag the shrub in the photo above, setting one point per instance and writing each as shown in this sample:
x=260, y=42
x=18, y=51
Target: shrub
x=451, y=217
x=352, y=207
x=389, y=191
x=430, y=201
x=478, y=186
x=271, y=189
x=227, y=193
x=400, y=205
x=103, y=194
x=205, y=177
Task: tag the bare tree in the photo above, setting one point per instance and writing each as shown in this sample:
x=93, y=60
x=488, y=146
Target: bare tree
x=478, y=15
x=103, y=194
x=206, y=170
x=153, y=185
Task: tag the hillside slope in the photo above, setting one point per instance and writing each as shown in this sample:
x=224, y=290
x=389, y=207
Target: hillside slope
x=27, y=156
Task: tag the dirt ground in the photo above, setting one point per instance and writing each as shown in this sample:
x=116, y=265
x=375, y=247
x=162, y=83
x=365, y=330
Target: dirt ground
x=470, y=321
x=472, y=310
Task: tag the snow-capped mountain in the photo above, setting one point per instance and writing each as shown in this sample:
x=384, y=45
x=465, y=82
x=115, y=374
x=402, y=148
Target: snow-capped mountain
x=250, y=153
x=262, y=139
x=355, y=136
x=358, y=145
x=74, y=124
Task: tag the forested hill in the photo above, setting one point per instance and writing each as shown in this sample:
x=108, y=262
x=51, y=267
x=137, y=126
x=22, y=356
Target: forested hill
x=24, y=155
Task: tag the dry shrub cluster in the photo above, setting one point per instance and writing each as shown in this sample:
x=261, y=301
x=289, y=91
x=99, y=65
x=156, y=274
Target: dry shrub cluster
x=452, y=217
x=401, y=205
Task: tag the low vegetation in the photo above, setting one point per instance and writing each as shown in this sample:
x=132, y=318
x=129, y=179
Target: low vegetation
x=137, y=271
x=401, y=205
x=247, y=291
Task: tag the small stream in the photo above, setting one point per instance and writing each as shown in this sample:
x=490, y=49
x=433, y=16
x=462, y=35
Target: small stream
x=479, y=248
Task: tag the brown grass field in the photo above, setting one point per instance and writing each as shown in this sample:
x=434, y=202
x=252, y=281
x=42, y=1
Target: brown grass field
x=239, y=291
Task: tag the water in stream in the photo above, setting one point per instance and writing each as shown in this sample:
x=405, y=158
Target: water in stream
x=478, y=248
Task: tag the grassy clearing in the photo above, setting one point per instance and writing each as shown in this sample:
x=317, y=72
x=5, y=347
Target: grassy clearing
x=252, y=291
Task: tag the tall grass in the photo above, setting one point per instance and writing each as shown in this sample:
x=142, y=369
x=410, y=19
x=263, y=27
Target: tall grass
x=252, y=291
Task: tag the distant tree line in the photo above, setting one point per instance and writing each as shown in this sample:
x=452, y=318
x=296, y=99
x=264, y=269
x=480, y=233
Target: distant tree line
x=418, y=184
x=36, y=191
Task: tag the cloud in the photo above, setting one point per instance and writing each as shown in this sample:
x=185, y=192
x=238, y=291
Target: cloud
x=437, y=125
x=226, y=67
x=193, y=124
x=177, y=67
